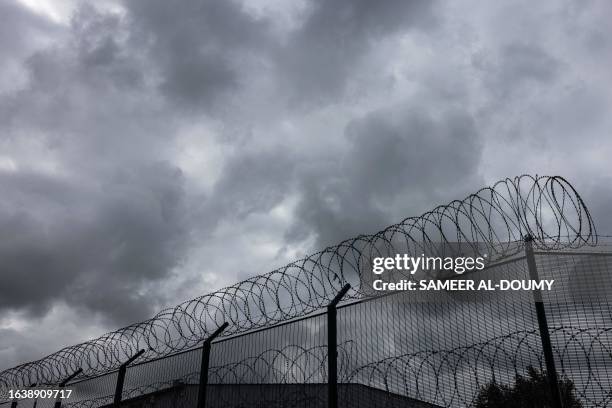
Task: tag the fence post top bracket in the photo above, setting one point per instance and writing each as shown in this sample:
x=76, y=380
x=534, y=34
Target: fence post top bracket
x=340, y=295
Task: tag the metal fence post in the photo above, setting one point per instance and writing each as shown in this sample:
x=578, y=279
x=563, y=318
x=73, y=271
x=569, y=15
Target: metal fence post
x=332, y=349
x=543, y=324
x=121, y=378
x=58, y=402
x=36, y=399
x=14, y=402
x=204, y=365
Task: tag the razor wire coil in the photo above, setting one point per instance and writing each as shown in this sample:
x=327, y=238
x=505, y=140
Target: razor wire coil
x=494, y=219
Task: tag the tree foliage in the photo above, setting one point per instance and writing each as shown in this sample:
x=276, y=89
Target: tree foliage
x=532, y=391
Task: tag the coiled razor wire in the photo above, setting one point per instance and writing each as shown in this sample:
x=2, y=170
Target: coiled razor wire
x=291, y=364
x=454, y=377
x=448, y=378
x=491, y=221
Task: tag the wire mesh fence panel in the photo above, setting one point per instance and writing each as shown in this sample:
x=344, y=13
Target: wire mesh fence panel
x=404, y=349
x=276, y=367
x=408, y=349
x=161, y=374
x=441, y=347
x=492, y=220
x=580, y=312
x=92, y=392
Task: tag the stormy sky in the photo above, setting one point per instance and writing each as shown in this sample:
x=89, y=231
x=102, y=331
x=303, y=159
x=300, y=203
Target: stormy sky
x=153, y=151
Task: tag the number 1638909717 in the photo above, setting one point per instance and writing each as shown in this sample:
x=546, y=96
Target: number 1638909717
x=61, y=393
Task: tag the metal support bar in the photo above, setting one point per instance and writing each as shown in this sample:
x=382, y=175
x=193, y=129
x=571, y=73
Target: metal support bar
x=205, y=363
x=121, y=377
x=14, y=402
x=58, y=402
x=332, y=349
x=543, y=324
x=36, y=399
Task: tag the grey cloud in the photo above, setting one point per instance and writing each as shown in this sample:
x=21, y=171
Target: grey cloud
x=91, y=247
x=403, y=146
x=516, y=65
x=15, y=347
x=109, y=222
x=391, y=154
x=598, y=197
x=396, y=152
x=198, y=79
x=202, y=60
x=92, y=66
x=323, y=53
x=20, y=28
x=198, y=59
x=98, y=213
x=327, y=210
x=103, y=55
x=523, y=62
x=253, y=182
x=21, y=33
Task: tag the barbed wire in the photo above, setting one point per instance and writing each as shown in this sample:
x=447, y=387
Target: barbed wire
x=493, y=221
x=454, y=377
x=448, y=377
x=291, y=364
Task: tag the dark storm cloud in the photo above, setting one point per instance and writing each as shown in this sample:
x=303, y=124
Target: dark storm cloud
x=197, y=46
x=101, y=209
x=252, y=182
x=516, y=65
x=523, y=62
x=598, y=196
x=399, y=152
x=86, y=217
x=395, y=152
x=9, y=338
x=93, y=246
x=202, y=60
x=91, y=65
x=320, y=57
